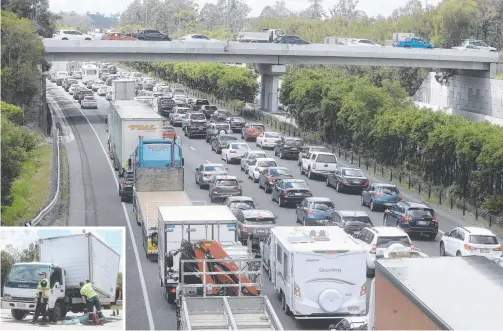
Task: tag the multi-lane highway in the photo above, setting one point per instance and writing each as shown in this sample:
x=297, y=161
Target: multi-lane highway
x=94, y=201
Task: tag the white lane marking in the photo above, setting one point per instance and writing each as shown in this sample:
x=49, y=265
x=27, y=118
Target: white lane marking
x=192, y=148
x=66, y=129
x=130, y=229
x=442, y=232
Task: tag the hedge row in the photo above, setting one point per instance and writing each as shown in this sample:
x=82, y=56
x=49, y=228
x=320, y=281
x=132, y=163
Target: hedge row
x=224, y=82
x=379, y=122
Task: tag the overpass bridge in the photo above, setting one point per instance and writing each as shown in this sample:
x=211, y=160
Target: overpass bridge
x=270, y=58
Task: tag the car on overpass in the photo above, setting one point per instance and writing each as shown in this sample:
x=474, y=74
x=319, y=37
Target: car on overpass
x=71, y=35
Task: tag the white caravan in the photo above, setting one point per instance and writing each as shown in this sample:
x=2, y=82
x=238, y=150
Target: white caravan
x=318, y=272
x=90, y=72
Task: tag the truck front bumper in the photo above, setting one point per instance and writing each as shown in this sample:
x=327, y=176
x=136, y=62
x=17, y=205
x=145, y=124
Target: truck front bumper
x=6, y=304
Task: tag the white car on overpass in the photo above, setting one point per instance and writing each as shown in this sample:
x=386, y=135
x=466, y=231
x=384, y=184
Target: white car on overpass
x=71, y=35
x=197, y=37
x=474, y=45
x=362, y=43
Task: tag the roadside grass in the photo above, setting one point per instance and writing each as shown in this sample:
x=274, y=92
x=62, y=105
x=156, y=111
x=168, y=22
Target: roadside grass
x=31, y=189
x=500, y=76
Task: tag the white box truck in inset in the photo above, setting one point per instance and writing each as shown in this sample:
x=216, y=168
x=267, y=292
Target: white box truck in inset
x=67, y=261
x=127, y=121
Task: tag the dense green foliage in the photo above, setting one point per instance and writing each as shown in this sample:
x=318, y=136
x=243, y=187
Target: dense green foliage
x=35, y=10
x=376, y=120
x=225, y=82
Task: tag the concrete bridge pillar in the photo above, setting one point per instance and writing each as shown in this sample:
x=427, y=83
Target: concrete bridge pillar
x=270, y=74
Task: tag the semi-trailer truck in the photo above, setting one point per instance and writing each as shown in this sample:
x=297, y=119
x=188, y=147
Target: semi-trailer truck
x=67, y=261
x=127, y=120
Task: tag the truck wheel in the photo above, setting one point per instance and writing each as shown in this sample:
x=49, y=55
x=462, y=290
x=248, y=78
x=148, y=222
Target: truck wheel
x=18, y=314
x=170, y=296
x=370, y=273
x=57, y=314
x=284, y=306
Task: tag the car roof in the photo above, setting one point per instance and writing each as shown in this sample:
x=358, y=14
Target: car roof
x=348, y=168
x=293, y=180
x=318, y=199
x=265, y=159
x=272, y=168
x=272, y=132
x=352, y=213
x=416, y=205
x=292, y=138
x=226, y=177
x=257, y=212
x=213, y=164
x=387, y=231
x=474, y=230
x=256, y=151
x=384, y=185
x=240, y=198
x=226, y=135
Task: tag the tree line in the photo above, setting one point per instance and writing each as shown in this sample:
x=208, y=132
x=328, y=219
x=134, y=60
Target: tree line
x=224, y=82
x=22, y=23
x=374, y=118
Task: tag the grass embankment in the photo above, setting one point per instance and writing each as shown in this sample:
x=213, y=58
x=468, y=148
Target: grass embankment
x=31, y=189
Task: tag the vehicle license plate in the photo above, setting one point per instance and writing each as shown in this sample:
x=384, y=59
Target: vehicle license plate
x=260, y=230
x=484, y=250
x=21, y=305
x=298, y=193
x=422, y=223
x=353, y=309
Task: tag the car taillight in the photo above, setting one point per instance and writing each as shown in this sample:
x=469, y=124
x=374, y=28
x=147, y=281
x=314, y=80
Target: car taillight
x=239, y=187
x=498, y=249
x=399, y=197
x=345, y=181
x=366, y=183
x=435, y=219
x=309, y=193
x=363, y=290
x=123, y=185
x=270, y=180
x=407, y=219
x=296, y=290
x=412, y=246
x=468, y=247
x=286, y=192
x=309, y=211
x=214, y=188
x=373, y=249
x=265, y=140
x=245, y=229
x=376, y=194
x=177, y=115
x=314, y=166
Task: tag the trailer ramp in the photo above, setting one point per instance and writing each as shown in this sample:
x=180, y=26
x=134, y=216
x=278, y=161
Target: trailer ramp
x=228, y=313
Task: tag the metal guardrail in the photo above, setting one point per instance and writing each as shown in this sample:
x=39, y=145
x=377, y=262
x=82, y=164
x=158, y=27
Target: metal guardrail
x=55, y=199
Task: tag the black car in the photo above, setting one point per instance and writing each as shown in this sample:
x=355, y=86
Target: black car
x=165, y=106
x=289, y=191
x=269, y=176
x=208, y=110
x=84, y=93
x=347, y=179
x=239, y=203
x=196, y=106
x=236, y=123
x=288, y=147
x=220, y=115
x=126, y=181
x=352, y=221
x=112, y=70
x=291, y=40
x=412, y=217
x=196, y=125
x=221, y=142
x=68, y=83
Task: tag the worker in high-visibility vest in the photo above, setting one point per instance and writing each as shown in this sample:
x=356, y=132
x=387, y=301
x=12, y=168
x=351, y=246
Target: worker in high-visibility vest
x=42, y=299
x=92, y=301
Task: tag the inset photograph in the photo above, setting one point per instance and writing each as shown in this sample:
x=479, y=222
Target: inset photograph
x=62, y=278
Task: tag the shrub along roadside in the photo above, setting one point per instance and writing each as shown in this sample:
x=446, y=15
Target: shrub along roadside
x=448, y=151
x=224, y=82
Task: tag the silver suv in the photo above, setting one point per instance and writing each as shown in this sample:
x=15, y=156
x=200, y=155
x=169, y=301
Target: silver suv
x=225, y=186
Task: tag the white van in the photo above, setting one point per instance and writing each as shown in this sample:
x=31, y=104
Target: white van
x=319, y=272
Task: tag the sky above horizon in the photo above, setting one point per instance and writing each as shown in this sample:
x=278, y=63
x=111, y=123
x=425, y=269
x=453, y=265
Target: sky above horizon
x=371, y=7
x=21, y=238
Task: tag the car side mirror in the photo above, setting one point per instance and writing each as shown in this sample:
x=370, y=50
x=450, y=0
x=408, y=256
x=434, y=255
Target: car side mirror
x=355, y=235
x=240, y=181
x=169, y=260
x=197, y=169
x=448, y=234
x=387, y=211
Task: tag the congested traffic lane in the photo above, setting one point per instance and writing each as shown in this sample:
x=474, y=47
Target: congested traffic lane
x=197, y=151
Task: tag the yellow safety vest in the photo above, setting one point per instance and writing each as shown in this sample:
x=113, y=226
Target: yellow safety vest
x=44, y=290
x=88, y=291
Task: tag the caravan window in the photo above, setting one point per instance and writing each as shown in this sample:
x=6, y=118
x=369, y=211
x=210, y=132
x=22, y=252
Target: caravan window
x=279, y=253
x=285, y=266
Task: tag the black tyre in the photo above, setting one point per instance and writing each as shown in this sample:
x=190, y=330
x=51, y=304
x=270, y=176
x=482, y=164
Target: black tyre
x=170, y=296
x=18, y=315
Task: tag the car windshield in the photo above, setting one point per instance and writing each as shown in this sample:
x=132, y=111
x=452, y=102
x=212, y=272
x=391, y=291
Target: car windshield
x=272, y=135
x=353, y=173
x=320, y=149
x=267, y=219
x=168, y=101
x=483, y=240
x=256, y=155
x=270, y=163
x=197, y=117
x=214, y=168
x=293, y=142
x=360, y=219
x=227, y=182
x=27, y=273
x=202, y=103
x=212, y=108
x=280, y=172
x=239, y=146
x=385, y=242
x=227, y=138
x=181, y=111
x=421, y=212
x=222, y=126
x=89, y=98
x=168, y=129
x=326, y=158
x=241, y=205
x=258, y=127
x=296, y=185
x=86, y=92
x=237, y=119
x=388, y=189
x=323, y=205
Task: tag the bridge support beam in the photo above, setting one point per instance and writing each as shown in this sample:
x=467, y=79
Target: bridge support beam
x=489, y=74
x=270, y=74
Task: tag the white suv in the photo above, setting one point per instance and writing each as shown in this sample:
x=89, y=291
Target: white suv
x=318, y=164
x=71, y=35
x=379, y=238
x=469, y=241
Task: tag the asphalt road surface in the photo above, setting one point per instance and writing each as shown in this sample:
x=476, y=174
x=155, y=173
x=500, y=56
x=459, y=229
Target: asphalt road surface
x=94, y=201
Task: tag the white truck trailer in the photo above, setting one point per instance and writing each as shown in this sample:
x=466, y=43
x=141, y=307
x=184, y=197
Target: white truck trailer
x=67, y=261
x=127, y=121
x=264, y=36
x=318, y=272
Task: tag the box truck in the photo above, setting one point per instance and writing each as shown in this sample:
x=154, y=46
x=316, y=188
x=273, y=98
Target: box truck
x=128, y=120
x=67, y=261
x=123, y=89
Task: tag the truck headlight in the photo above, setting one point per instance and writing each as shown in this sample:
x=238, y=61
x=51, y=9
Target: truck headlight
x=7, y=296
